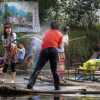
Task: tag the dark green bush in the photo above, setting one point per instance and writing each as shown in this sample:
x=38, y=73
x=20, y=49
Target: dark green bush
x=81, y=49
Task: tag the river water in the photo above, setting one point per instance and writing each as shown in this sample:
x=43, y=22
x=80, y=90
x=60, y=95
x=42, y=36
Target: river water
x=49, y=86
x=51, y=97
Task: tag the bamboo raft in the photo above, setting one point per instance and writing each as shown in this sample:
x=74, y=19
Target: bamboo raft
x=81, y=88
x=7, y=90
x=71, y=82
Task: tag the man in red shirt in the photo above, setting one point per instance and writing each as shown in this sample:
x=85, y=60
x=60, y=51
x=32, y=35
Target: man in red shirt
x=51, y=41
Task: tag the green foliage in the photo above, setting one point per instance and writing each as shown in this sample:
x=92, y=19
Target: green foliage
x=44, y=5
x=1, y=50
x=78, y=48
x=82, y=12
x=82, y=49
x=98, y=27
x=73, y=12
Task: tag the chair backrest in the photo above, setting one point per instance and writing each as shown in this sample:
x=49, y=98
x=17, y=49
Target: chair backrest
x=98, y=55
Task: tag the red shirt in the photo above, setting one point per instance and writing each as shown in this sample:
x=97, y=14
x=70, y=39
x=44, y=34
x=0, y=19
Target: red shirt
x=52, y=38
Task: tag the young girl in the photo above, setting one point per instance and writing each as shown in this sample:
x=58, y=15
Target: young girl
x=61, y=52
x=61, y=62
x=9, y=43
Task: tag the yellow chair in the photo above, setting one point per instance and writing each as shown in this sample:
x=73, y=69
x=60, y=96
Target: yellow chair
x=89, y=67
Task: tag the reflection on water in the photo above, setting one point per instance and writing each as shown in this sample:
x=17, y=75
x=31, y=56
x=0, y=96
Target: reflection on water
x=35, y=98
x=39, y=97
x=57, y=98
x=7, y=98
x=32, y=98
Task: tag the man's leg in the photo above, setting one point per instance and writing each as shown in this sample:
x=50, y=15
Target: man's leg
x=53, y=56
x=41, y=62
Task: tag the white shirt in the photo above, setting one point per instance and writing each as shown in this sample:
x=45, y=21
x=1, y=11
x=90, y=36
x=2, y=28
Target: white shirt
x=10, y=39
x=65, y=41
